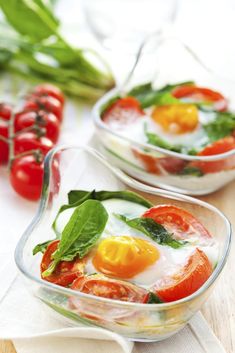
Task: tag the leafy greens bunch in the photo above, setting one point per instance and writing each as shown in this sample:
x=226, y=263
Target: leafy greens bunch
x=32, y=46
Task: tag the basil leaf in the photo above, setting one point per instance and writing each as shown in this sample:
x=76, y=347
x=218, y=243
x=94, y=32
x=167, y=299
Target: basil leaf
x=31, y=18
x=222, y=126
x=147, y=96
x=41, y=247
x=153, y=230
x=193, y=171
x=80, y=233
x=155, y=140
x=154, y=299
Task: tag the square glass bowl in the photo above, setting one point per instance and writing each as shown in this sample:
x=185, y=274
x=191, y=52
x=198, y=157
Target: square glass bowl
x=79, y=168
x=163, y=62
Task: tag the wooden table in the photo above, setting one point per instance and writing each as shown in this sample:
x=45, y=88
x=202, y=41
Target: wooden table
x=219, y=310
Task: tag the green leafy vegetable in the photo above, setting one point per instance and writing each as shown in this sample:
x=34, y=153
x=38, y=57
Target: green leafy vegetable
x=155, y=140
x=192, y=171
x=37, y=50
x=41, y=247
x=148, y=96
x=80, y=233
x=222, y=126
x=154, y=299
x=153, y=230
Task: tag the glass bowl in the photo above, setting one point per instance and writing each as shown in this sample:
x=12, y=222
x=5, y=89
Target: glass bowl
x=165, y=61
x=84, y=168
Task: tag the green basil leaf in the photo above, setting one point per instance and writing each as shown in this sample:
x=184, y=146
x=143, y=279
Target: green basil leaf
x=41, y=247
x=153, y=230
x=154, y=299
x=80, y=233
x=155, y=140
x=31, y=18
x=222, y=126
x=193, y=171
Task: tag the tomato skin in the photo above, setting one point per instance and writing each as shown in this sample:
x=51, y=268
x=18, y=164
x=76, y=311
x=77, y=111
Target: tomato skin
x=201, y=94
x=27, y=141
x=178, y=221
x=123, y=112
x=47, y=89
x=4, y=148
x=46, y=103
x=26, y=177
x=157, y=165
x=187, y=281
x=221, y=146
x=5, y=111
x=105, y=287
x=66, y=271
x=45, y=120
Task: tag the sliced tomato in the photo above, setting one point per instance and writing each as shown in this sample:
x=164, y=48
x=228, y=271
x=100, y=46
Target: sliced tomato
x=123, y=112
x=178, y=221
x=187, y=281
x=201, y=94
x=159, y=166
x=66, y=271
x=218, y=147
x=105, y=287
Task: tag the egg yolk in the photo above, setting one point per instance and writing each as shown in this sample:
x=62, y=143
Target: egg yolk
x=124, y=256
x=176, y=118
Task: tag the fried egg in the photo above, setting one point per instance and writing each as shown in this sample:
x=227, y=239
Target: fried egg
x=128, y=254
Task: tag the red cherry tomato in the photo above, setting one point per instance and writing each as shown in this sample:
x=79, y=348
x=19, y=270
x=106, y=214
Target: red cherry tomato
x=4, y=149
x=26, y=177
x=178, y=221
x=122, y=112
x=46, y=103
x=5, y=111
x=45, y=120
x=65, y=272
x=46, y=89
x=187, y=281
x=27, y=141
x=105, y=287
x=221, y=146
x=201, y=94
x=161, y=165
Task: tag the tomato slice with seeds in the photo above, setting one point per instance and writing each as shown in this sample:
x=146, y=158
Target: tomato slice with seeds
x=123, y=112
x=201, y=94
x=105, y=287
x=159, y=166
x=187, y=281
x=218, y=147
x=177, y=221
x=65, y=272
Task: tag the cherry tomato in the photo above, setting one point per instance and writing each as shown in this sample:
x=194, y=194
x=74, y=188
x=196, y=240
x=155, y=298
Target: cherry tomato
x=178, y=221
x=45, y=120
x=201, y=94
x=4, y=149
x=122, y=112
x=187, y=281
x=26, y=177
x=221, y=146
x=46, y=103
x=27, y=141
x=161, y=165
x=65, y=272
x=5, y=111
x=105, y=287
x=46, y=89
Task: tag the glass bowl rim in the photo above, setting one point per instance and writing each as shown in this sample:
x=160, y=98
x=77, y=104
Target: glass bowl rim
x=138, y=186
